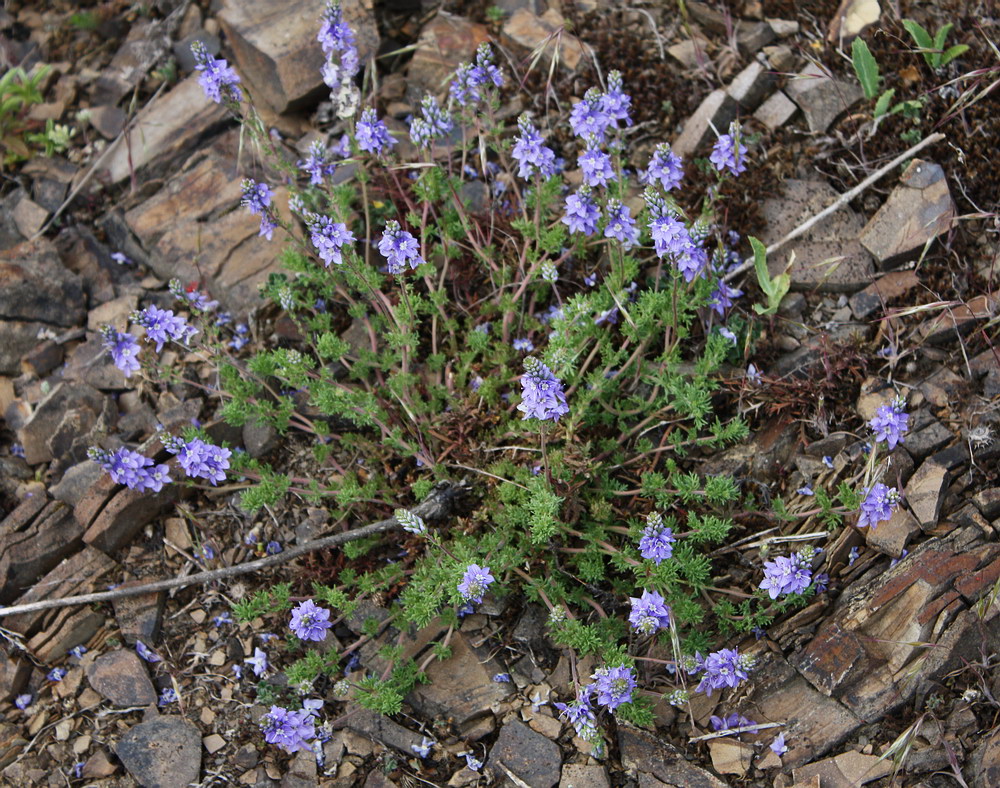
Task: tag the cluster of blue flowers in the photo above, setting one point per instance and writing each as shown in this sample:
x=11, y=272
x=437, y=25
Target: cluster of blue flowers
x=342, y=60
x=657, y=541
x=399, y=248
x=467, y=87
x=649, y=613
x=290, y=730
x=218, y=79
x=531, y=155
x=542, y=395
x=787, y=575
x=132, y=469
x=723, y=669
x=475, y=583
x=434, y=123
x=257, y=200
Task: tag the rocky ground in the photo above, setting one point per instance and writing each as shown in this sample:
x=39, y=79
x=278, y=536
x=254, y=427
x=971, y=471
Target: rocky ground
x=890, y=678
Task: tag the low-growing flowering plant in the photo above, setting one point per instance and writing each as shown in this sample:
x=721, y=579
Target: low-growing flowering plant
x=580, y=452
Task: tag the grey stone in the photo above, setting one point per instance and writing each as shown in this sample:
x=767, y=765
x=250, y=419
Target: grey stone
x=164, y=752
x=121, y=677
x=526, y=755
x=918, y=210
x=646, y=753
x=827, y=257
x=445, y=42
x=91, y=364
x=821, y=98
x=750, y=85
x=275, y=47
x=892, y=536
x=988, y=502
x=776, y=111
x=530, y=31
x=29, y=217
x=925, y=493
x=163, y=131
x=381, y=729
x=576, y=775
x=37, y=287
x=717, y=109
x=259, y=439
x=139, y=616
x=925, y=442
x=108, y=119
x=48, y=415
x=888, y=287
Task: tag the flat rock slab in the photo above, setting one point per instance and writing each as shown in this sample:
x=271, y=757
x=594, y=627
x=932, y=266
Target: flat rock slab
x=886, y=288
x=530, y=757
x=461, y=688
x=643, y=752
x=164, y=130
x=121, y=677
x=445, y=42
x=828, y=257
x=193, y=229
x=37, y=287
x=918, y=210
x=38, y=430
x=164, y=752
x=925, y=491
x=531, y=31
x=821, y=98
x=31, y=548
x=847, y=770
x=870, y=654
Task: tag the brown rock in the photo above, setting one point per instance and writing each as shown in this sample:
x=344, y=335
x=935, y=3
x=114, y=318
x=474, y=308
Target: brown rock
x=749, y=87
x=28, y=551
x=948, y=324
x=49, y=413
x=127, y=512
x=445, y=42
x=115, y=312
x=164, y=752
x=847, y=770
x=79, y=574
x=121, y=677
x=718, y=108
x=192, y=233
x=986, y=761
x=821, y=98
x=108, y=119
x=826, y=258
x=43, y=358
x=98, y=766
x=642, y=751
x=29, y=217
x=461, y=687
x=888, y=287
x=164, y=130
x=90, y=363
x=276, y=50
x=37, y=287
x=547, y=32
x=18, y=339
x=526, y=756
x=382, y=729
x=876, y=650
x=576, y=775
x=730, y=756
x=146, y=43
x=139, y=616
x=851, y=19
x=68, y=628
x=776, y=111
x=815, y=723
x=891, y=537
x=925, y=491
x=750, y=36
x=918, y=210
x=14, y=673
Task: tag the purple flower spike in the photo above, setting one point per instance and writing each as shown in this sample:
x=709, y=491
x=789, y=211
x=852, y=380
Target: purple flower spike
x=786, y=575
x=596, y=167
x=620, y=225
x=649, y=613
x=729, y=153
x=589, y=118
x=318, y=164
x=162, y=325
x=614, y=686
x=329, y=238
x=890, y=423
x=542, y=394
x=529, y=152
x=201, y=460
x=475, y=582
x=400, y=248
x=666, y=167
x=217, y=79
x=310, y=621
x=290, y=730
x=124, y=349
x=724, y=668
x=657, y=542
x=372, y=135
x=582, y=213
x=879, y=504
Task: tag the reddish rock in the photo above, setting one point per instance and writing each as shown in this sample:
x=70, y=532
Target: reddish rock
x=79, y=574
x=121, y=677
x=546, y=34
x=29, y=550
x=126, y=513
x=445, y=42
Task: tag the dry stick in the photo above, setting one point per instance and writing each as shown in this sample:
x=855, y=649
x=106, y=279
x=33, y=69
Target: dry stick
x=845, y=198
x=435, y=507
